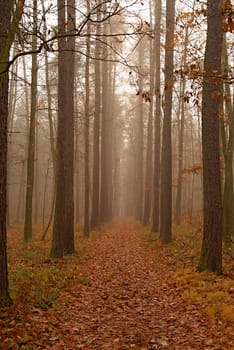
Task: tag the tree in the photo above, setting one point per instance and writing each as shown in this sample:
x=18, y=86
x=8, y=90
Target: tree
x=157, y=120
x=166, y=161
x=96, y=134
x=63, y=229
x=106, y=163
x=32, y=135
x=139, y=147
x=181, y=122
x=149, y=144
x=211, y=251
x=87, y=130
x=51, y=126
x=227, y=135
x=8, y=26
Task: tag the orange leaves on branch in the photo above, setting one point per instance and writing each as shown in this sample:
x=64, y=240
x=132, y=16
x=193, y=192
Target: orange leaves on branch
x=192, y=71
x=145, y=95
x=229, y=16
x=194, y=169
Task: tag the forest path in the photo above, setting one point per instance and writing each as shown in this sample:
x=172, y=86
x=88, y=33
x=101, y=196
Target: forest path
x=126, y=299
x=129, y=303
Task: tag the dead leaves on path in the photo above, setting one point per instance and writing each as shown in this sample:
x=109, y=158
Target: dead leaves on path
x=116, y=294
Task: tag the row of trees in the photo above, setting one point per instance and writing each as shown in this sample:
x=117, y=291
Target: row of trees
x=109, y=150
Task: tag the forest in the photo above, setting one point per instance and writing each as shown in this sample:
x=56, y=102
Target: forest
x=116, y=174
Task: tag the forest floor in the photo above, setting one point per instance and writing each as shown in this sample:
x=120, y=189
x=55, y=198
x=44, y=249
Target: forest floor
x=122, y=290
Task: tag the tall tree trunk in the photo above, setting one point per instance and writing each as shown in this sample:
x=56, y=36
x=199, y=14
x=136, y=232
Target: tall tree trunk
x=32, y=137
x=110, y=111
x=63, y=229
x=166, y=162
x=36, y=168
x=4, y=295
x=211, y=251
x=157, y=120
x=87, y=131
x=181, y=135
x=7, y=31
x=96, y=135
x=139, y=148
x=69, y=247
x=51, y=128
x=13, y=89
x=105, y=165
x=149, y=145
x=227, y=123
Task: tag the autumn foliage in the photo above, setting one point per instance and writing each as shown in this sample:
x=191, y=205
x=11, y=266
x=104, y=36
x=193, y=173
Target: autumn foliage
x=123, y=289
x=194, y=169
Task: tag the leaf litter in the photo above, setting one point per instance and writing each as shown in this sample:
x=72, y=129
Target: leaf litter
x=127, y=299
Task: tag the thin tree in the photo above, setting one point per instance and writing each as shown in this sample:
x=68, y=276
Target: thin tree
x=9, y=22
x=166, y=162
x=87, y=132
x=63, y=229
x=211, y=251
x=32, y=136
x=105, y=204
x=181, y=120
x=51, y=126
x=139, y=147
x=96, y=133
x=157, y=119
x=149, y=144
x=227, y=136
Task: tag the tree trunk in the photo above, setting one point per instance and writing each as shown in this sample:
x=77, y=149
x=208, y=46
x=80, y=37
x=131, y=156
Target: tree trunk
x=87, y=131
x=105, y=205
x=139, y=149
x=181, y=135
x=4, y=294
x=13, y=90
x=32, y=136
x=149, y=145
x=5, y=20
x=157, y=120
x=166, y=162
x=51, y=128
x=96, y=136
x=227, y=123
x=211, y=251
x=63, y=229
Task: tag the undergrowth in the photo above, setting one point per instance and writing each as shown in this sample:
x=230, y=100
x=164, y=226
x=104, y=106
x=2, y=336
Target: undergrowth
x=35, y=280
x=213, y=294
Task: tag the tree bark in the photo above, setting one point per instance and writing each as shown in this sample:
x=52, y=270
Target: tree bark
x=87, y=132
x=227, y=136
x=149, y=144
x=166, y=162
x=181, y=118
x=106, y=154
x=157, y=119
x=96, y=136
x=5, y=22
x=211, y=251
x=32, y=136
x=139, y=149
x=63, y=229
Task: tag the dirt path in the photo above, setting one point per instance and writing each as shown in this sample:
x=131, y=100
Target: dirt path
x=128, y=304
